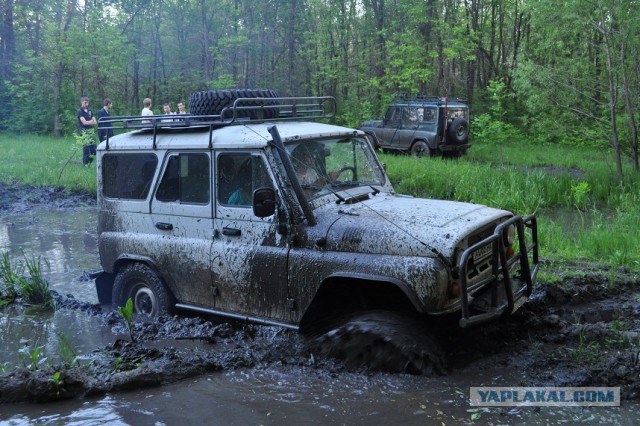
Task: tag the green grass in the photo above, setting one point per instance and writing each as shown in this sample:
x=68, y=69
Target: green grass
x=45, y=161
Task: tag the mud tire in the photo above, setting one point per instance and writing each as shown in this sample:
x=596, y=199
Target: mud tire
x=149, y=294
x=213, y=102
x=458, y=131
x=420, y=149
x=383, y=341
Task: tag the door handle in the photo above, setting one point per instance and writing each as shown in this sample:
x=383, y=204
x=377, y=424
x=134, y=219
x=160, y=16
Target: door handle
x=231, y=231
x=164, y=226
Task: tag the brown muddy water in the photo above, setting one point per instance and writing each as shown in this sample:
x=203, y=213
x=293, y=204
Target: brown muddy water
x=272, y=393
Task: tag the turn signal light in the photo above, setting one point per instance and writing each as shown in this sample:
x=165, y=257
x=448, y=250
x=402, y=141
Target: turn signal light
x=455, y=289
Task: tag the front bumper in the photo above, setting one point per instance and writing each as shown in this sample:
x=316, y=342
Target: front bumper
x=510, y=281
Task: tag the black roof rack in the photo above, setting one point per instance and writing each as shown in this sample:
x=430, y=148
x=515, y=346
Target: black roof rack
x=417, y=97
x=421, y=97
x=243, y=111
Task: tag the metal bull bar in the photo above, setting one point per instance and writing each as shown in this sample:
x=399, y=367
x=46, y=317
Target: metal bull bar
x=504, y=298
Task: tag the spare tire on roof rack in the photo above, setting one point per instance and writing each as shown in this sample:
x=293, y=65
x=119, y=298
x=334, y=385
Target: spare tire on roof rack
x=213, y=102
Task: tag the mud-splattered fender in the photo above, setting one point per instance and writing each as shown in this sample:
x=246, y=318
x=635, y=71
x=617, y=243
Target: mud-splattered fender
x=424, y=280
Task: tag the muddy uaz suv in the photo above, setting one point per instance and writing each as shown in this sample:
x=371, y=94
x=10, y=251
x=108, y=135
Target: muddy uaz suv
x=251, y=209
x=423, y=126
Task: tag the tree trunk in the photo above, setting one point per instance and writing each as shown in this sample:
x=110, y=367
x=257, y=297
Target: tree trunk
x=631, y=109
x=612, y=95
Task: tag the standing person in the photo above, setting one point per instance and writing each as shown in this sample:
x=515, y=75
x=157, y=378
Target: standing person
x=104, y=129
x=146, y=110
x=181, y=109
x=86, y=121
x=166, y=110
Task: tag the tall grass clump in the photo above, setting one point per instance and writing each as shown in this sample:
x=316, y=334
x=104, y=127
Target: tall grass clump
x=24, y=278
x=35, y=288
x=9, y=279
x=45, y=161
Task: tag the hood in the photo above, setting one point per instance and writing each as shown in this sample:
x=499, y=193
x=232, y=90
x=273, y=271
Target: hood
x=402, y=225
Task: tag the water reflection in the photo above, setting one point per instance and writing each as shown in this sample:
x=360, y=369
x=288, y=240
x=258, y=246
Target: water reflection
x=67, y=241
x=285, y=395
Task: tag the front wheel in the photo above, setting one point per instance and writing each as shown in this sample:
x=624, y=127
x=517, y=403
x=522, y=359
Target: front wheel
x=385, y=341
x=142, y=285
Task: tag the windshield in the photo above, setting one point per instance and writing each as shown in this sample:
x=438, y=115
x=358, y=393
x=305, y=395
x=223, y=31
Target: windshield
x=326, y=166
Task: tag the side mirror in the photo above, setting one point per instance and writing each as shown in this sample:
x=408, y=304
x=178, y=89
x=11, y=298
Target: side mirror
x=264, y=202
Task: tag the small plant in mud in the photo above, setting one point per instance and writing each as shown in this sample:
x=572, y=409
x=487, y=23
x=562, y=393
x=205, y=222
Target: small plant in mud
x=587, y=352
x=35, y=288
x=68, y=357
x=126, y=312
x=33, y=360
x=57, y=382
x=9, y=275
x=4, y=367
x=127, y=364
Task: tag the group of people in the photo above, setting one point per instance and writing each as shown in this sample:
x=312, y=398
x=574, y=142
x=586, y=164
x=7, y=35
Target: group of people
x=87, y=122
x=166, y=108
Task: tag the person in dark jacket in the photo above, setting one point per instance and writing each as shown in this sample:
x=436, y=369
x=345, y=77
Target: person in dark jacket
x=86, y=121
x=104, y=129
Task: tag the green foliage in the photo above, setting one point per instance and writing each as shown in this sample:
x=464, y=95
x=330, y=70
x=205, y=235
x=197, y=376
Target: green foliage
x=87, y=137
x=126, y=312
x=68, y=356
x=35, y=288
x=10, y=277
x=580, y=194
x=32, y=360
x=492, y=129
x=57, y=381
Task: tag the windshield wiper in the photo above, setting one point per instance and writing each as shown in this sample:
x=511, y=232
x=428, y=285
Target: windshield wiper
x=346, y=184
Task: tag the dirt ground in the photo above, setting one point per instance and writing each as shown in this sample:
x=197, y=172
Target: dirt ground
x=580, y=330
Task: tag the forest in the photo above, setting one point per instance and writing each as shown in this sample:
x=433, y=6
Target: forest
x=533, y=71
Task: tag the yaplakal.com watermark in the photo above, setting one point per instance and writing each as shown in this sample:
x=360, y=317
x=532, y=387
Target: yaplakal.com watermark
x=544, y=396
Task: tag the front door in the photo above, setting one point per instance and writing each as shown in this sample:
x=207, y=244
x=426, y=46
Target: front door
x=249, y=257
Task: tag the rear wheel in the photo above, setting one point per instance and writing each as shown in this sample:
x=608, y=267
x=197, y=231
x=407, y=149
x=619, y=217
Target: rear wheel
x=142, y=285
x=384, y=341
x=420, y=149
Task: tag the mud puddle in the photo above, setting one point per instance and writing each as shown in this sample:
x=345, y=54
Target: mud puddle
x=576, y=332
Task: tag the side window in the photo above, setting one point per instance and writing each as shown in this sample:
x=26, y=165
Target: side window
x=128, y=176
x=429, y=115
x=452, y=114
x=393, y=114
x=238, y=176
x=185, y=180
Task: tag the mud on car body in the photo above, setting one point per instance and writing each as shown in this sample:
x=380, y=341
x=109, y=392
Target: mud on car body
x=278, y=219
x=423, y=126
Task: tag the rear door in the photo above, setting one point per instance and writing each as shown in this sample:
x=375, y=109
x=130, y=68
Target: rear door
x=411, y=118
x=182, y=218
x=249, y=257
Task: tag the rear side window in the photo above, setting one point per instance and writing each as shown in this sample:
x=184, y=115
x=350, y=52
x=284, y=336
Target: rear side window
x=128, y=176
x=186, y=179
